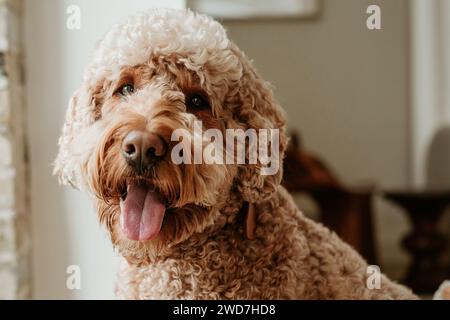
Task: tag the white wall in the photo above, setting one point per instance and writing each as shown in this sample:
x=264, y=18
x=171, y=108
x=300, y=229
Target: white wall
x=344, y=87
x=64, y=226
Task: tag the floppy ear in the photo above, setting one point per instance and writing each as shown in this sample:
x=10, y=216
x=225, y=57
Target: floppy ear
x=80, y=115
x=259, y=110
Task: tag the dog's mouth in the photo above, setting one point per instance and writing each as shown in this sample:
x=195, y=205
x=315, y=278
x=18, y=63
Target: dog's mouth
x=142, y=211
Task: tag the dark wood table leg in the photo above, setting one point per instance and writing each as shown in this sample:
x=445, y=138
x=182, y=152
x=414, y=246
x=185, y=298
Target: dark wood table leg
x=424, y=243
x=426, y=247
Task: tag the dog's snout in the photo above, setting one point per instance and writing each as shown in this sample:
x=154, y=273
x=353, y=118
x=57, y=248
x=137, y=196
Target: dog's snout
x=142, y=149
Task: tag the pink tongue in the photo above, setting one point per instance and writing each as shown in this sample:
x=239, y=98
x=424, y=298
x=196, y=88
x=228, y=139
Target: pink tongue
x=142, y=213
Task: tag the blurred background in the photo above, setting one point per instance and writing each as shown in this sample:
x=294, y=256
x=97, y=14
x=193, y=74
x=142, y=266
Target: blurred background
x=365, y=87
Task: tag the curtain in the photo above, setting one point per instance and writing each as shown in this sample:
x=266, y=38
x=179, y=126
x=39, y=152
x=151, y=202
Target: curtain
x=14, y=213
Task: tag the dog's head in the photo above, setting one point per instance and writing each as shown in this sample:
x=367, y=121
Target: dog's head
x=133, y=137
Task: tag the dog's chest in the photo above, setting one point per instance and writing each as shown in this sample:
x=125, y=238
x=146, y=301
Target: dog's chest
x=220, y=269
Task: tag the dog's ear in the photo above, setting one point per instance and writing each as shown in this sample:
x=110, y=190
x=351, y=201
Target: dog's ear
x=80, y=114
x=260, y=111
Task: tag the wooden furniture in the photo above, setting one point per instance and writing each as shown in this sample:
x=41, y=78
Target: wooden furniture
x=345, y=210
x=424, y=243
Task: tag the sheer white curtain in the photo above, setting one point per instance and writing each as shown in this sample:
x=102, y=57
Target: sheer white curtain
x=430, y=80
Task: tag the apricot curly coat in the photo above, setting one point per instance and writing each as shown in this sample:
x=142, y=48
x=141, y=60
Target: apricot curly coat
x=201, y=251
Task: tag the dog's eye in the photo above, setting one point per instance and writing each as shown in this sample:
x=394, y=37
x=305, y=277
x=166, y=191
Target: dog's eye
x=126, y=89
x=196, y=101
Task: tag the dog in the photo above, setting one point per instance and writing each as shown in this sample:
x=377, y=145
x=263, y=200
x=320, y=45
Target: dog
x=195, y=230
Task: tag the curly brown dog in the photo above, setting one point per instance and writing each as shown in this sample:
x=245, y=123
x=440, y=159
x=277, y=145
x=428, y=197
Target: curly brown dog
x=195, y=230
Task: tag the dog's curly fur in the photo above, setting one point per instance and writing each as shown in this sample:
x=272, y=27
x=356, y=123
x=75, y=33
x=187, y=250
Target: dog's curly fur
x=201, y=251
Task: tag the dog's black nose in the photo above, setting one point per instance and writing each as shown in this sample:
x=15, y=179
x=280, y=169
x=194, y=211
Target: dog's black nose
x=142, y=149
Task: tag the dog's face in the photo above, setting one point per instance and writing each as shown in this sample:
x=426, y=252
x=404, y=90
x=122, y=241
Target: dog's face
x=159, y=72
